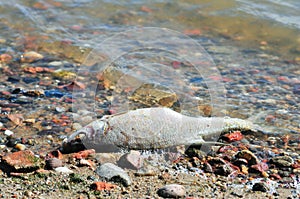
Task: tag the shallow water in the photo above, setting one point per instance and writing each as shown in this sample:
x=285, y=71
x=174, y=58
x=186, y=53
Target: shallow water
x=251, y=76
x=272, y=25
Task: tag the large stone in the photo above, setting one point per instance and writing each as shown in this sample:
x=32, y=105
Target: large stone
x=171, y=191
x=21, y=161
x=111, y=172
x=151, y=95
x=65, y=49
x=142, y=92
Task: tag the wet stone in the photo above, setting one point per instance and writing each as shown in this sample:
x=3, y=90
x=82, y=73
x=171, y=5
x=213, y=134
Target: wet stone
x=113, y=173
x=282, y=161
x=260, y=186
x=171, y=191
x=150, y=94
x=248, y=155
x=29, y=57
x=296, y=89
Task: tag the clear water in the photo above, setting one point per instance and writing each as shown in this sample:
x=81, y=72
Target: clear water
x=246, y=22
x=269, y=25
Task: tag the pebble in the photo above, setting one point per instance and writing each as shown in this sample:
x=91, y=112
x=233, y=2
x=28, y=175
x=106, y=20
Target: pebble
x=282, y=161
x=55, y=63
x=29, y=57
x=8, y=133
x=100, y=186
x=53, y=163
x=114, y=173
x=63, y=170
x=296, y=89
x=60, y=109
x=260, y=186
x=248, y=155
x=172, y=191
x=76, y=126
x=107, y=157
x=20, y=147
x=132, y=160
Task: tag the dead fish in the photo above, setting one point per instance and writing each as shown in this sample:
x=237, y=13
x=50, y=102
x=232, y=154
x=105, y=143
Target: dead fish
x=156, y=128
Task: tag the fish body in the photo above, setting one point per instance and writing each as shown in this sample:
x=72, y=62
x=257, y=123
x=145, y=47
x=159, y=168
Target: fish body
x=155, y=128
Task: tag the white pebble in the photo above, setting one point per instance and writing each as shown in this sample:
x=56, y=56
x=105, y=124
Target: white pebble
x=63, y=170
x=8, y=133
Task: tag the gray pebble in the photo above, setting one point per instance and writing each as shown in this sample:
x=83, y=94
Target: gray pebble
x=55, y=63
x=132, y=160
x=113, y=173
x=282, y=161
x=171, y=191
x=60, y=109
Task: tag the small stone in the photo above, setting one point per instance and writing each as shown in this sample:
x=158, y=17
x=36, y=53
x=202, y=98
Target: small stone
x=53, y=163
x=282, y=161
x=113, y=173
x=100, y=186
x=147, y=170
x=63, y=170
x=76, y=126
x=83, y=154
x=248, y=155
x=260, y=186
x=296, y=171
x=296, y=89
x=89, y=163
x=60, y=109
x=20, y=147
x=20, y=161
x=107, y=157
x=5, y=58
x=8, y=133
x=171, y=191
x=64, y=75
x=132, y=160
x=55, y=63
x=29, y=57
x=207, y=168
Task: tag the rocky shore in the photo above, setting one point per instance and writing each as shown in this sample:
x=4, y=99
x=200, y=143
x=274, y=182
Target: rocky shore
x=36, y=97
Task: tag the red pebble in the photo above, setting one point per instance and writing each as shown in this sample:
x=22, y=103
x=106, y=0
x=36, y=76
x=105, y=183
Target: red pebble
x=83, y=154
x=234, y=136
x=176, y=64
x=55, y=154
x=261, y=167
x=5, y=57
x=225, y=148
x=193, y=32
x=100, y=186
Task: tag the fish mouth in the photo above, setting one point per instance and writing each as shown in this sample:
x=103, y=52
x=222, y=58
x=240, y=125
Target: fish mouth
x=76, y=134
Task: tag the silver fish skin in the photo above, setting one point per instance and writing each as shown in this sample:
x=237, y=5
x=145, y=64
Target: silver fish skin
x=156, y=128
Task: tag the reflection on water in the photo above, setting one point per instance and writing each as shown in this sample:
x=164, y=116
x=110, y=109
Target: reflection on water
x=269, y=24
